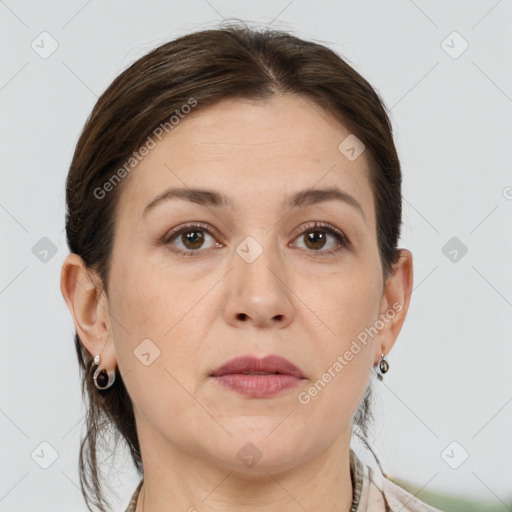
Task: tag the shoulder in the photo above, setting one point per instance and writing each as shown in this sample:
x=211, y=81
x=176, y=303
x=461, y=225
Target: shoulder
x=132, y=506
x=395, y=497
x=374, y=492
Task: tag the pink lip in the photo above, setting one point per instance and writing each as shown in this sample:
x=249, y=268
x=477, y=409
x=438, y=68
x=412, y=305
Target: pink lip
x=235, y=375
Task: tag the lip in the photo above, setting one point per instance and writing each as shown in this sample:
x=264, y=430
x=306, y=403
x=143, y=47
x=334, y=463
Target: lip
x=252, y=364
x=236, y=375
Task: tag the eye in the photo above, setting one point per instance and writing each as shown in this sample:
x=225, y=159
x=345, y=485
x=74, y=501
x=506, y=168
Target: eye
x=192, y=238
x=316, y=237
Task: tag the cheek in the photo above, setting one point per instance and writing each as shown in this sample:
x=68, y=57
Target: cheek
x=344, y=366
x=153, y=316
x=347, y=304
x=146, y=302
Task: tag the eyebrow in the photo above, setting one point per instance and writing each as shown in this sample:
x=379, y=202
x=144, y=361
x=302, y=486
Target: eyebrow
x=213, y=198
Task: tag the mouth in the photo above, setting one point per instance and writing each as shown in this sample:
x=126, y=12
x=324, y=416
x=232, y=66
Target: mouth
x=258, y=378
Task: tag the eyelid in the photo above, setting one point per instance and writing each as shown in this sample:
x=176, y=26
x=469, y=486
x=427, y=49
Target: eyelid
x=311, y=226
x=190, y=226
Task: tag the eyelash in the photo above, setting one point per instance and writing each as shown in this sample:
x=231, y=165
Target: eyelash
x=316, y=226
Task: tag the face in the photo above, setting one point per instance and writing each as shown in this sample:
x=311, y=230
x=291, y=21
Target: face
x=199, y=283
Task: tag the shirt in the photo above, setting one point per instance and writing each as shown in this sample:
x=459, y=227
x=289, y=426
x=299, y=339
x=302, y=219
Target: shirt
x=367, y=487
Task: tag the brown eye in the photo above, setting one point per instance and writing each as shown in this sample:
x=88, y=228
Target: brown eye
x=316, y=238
x=192, y=239
x=189, y=239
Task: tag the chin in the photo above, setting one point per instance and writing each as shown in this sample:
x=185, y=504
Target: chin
x=259, y=453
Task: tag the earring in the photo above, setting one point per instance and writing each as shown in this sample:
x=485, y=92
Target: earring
x=103, y=379
x=383, y=366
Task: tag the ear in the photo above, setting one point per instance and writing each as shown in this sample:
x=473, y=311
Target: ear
x=82, y=290
x=394, y=304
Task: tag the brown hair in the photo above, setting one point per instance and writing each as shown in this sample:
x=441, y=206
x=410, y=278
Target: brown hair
x=232, y=61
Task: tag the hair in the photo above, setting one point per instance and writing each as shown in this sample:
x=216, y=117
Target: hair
x=230, y=61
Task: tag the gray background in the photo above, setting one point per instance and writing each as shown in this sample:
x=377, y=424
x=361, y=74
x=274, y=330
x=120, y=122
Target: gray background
x=449, y=377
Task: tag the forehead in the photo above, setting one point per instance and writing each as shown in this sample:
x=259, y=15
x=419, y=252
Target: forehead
x=245, y=148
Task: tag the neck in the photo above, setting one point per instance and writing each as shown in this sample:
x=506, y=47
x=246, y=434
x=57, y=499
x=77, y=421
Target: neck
x=191, y=483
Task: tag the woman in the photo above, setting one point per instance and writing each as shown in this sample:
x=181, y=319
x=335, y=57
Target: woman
x=234, y=208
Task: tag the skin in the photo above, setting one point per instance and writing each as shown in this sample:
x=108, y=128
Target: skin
x=299, y=302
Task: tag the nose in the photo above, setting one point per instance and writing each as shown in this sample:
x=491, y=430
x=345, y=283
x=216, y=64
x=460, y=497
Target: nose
x=257, y=293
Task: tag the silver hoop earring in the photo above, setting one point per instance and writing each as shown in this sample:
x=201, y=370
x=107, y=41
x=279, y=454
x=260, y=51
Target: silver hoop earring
x=103, y=379
x=383, y=366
